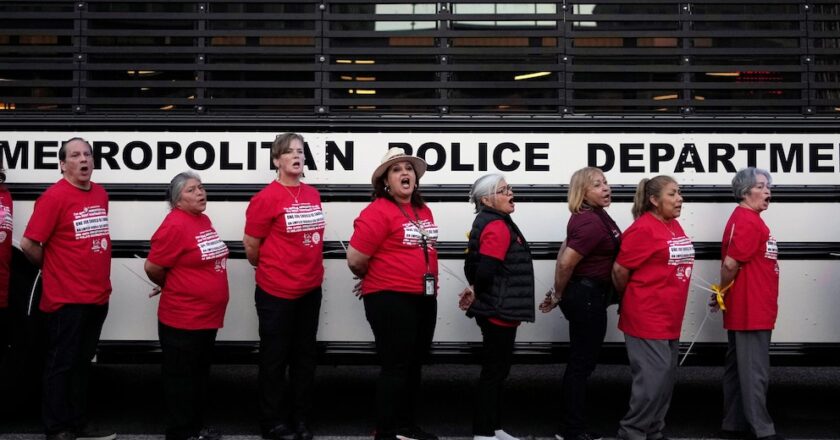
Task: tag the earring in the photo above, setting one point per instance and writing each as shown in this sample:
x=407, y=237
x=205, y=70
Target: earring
x=387, y=188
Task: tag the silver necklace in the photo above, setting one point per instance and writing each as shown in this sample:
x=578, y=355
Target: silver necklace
x=290, y=191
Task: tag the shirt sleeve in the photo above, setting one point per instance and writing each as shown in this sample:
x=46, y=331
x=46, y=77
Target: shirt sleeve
x=745, y=241
x=636, y=247
x=166, y=245
x=583, y=236
x=259, y=217
x=370, y=230
x=44, y=219
x=494, y=240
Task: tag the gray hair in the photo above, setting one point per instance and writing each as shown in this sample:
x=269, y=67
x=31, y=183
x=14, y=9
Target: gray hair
x=173, y=193
x=484, y=186
x=745, y=179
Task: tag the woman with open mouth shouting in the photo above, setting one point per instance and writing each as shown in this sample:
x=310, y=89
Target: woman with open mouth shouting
x=501, y=272
x=392, y=251
x=284, y=240
x=750, y=264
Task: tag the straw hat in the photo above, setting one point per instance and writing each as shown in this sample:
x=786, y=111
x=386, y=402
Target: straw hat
x=393, y=156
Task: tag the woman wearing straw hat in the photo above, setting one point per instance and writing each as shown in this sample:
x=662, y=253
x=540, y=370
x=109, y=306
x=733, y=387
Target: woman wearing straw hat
x=392, y=251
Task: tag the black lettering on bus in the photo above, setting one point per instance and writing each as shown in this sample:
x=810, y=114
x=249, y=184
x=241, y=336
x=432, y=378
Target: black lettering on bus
x=224, y=158
x=531, y=156
x=660, y=153
x=105, y=151
x=167, y=150
x=41, y=153
x=333, y=154
x=815, y=157
x=625, y=156
x=689, y=158
x=752, y=150
x=795, y=154
x=209, y=155
x=497, y=156
x=592, y=156
x=145, y=158
x=440, y=155
x=721, y=154
x=11, y=157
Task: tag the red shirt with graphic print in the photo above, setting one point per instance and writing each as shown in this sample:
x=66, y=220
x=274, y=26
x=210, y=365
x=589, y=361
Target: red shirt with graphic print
x=752, y=301
x=291, y=227
x=6, y=221
x=660, y=258
x=391, y=238
x=72, y=225
x=196, y=292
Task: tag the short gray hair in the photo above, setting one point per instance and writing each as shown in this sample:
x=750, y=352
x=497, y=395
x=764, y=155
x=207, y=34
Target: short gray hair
x=484, y=186
x=745, y=179
x=173, y=193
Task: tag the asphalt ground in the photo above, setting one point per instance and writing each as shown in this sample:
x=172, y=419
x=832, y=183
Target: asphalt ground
x=127, y=399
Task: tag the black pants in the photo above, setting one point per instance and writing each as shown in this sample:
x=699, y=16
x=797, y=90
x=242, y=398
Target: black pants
x=187, y=355
x=403, y=325
x=287, y=340
x=497, y=356
x=584, y=306
x=5, y=335
x=72, y=336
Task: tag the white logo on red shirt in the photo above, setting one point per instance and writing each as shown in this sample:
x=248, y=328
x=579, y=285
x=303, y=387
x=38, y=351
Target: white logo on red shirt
x=7, y=220
x=681, y=254
x=210, y=245
x=771, y=249
x=412, y=235
x=303, y=217
x=91, y=222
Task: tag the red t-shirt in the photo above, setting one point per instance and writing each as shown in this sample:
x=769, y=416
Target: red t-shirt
x=292, y=232
x=5, y=244
x=392, y=240
x=589, y=236
x=660, y=258
x=196, y=292
x=752, y=301
x=72, y=225
x=494, y=242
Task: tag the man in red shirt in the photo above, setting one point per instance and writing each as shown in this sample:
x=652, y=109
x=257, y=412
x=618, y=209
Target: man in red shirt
x=68, y=238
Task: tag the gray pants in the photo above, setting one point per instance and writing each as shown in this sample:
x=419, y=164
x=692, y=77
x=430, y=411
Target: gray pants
x=653, y=363
x=745, y=381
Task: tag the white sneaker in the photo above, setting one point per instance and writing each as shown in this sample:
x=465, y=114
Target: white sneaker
x=502, y=435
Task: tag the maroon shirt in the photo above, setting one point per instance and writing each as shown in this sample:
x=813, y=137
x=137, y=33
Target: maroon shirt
x=589, y=235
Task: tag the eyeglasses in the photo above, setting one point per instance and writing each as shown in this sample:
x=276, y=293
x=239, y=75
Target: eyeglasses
x=507, y=189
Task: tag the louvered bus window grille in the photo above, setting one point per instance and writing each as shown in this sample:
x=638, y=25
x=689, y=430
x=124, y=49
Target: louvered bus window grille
x=465, y=57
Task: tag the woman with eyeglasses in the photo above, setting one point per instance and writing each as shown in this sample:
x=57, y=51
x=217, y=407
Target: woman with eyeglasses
x=498, y=266
x=284, y=241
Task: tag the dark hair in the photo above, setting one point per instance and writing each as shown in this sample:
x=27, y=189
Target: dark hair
x=62, y=152
x=379, y=191
x=646, y=189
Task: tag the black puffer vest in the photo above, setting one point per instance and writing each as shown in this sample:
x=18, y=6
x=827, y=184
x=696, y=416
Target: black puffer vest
x=512, y=295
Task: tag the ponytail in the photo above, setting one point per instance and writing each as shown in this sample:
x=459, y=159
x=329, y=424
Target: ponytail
x=646, y=189
x=640, y=201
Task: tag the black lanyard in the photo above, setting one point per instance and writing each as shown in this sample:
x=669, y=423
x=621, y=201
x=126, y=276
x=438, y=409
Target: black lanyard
x=422, y=231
